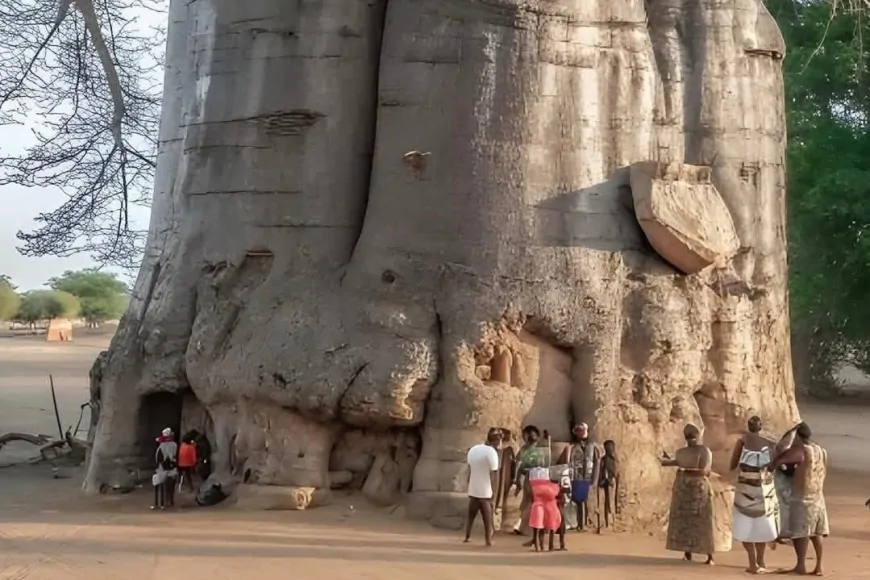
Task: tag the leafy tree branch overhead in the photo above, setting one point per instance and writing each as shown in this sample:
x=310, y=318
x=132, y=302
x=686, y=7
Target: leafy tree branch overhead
x=85, y=76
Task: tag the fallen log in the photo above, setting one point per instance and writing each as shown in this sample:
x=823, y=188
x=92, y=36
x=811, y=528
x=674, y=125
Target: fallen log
x=26, y=437
x=74, y=447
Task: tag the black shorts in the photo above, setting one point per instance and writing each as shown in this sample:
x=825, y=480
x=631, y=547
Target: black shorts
x=480, y=504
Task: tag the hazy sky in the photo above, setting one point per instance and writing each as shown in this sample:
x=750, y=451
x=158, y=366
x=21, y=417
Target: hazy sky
x=19, y=207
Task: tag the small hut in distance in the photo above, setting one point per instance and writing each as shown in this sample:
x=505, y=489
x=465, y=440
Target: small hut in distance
x=59, y=330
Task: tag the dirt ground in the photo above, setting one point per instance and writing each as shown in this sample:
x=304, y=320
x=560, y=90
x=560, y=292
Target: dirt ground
x=48, y=531
x=25, y=365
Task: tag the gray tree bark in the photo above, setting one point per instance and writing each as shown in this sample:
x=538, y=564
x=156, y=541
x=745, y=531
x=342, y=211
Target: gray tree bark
x=385, y=226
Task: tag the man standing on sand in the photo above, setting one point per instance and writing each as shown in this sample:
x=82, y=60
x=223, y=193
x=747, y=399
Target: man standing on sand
x=482, y=467
x=808, y=515
x=584, y=459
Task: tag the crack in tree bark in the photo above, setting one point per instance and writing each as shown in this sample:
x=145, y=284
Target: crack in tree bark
x=244, y=192
x=439, y=365
x=274, y=122
x=226, y=330
x=307, y=226
x=377, y=48
x=152, y=284
x=347, y=387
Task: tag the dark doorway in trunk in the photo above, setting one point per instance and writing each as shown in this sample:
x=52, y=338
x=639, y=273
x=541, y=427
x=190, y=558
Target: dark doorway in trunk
x=158, y=411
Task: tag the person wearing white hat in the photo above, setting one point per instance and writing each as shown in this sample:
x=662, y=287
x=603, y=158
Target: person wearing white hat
x=164, y=476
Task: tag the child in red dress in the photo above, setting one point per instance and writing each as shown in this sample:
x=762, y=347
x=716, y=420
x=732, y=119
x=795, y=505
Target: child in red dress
x=545, y=515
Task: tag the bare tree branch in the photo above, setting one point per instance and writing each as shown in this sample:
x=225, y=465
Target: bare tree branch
x=85, y=76
x=62, y=11
x=93, y=25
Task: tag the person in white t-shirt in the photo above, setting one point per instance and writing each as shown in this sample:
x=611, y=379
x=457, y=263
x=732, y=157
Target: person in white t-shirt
x=482, y=464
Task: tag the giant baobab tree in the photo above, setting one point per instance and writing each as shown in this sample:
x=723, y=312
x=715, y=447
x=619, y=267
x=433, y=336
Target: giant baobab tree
x=381, y=227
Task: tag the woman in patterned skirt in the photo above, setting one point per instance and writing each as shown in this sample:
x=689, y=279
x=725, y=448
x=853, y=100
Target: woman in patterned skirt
x=692, y=522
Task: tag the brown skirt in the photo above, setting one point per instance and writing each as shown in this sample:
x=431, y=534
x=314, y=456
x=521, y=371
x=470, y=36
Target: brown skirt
x=697, y=523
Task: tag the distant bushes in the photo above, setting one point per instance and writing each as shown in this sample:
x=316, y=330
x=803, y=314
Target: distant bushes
x=90, y=294
x=39, y=305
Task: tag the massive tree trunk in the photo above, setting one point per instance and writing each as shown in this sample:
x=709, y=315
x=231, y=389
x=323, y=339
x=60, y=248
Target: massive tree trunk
x=381, y=227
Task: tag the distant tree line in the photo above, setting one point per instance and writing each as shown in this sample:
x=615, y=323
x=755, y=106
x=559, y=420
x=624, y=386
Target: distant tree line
x=90, y=294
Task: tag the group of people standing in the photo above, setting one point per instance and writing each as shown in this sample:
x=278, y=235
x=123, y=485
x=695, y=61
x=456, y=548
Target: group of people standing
x=178, y=464
x=555, y=494
x=778, y=497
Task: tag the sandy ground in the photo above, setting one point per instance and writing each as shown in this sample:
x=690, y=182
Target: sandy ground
x=48, y=531
x=25, y=366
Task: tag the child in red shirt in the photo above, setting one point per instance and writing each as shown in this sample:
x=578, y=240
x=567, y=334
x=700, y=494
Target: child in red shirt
x=187, y=461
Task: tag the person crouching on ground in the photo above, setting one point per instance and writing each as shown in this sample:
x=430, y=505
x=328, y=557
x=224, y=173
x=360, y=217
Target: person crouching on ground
x=482, y=469
x=166, y=472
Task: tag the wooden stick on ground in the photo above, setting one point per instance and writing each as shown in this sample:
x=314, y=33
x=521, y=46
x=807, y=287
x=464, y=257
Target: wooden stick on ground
x=56, y=412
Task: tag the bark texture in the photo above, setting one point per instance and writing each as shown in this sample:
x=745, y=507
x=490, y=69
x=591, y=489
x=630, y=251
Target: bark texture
x=382, y=227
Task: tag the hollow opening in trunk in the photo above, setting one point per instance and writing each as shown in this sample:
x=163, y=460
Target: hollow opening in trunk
x=547, y=371
x=583, y=402
x=157, y=412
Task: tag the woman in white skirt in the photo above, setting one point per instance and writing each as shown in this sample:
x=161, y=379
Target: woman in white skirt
x=756, y=510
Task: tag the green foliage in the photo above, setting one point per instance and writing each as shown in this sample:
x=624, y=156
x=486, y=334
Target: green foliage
x=39, y=305
x=9, y=299
x=101, y=295
x=828, y=107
